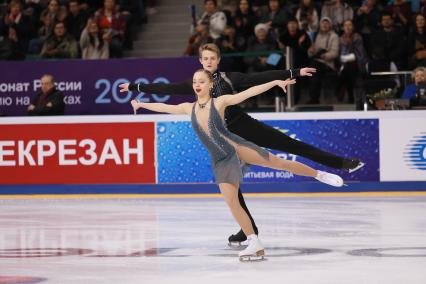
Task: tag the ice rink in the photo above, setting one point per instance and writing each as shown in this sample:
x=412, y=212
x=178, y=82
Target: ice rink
x=327, y=240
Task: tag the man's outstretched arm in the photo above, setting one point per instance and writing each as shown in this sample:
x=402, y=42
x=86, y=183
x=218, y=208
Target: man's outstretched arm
x=242, y=81
x=181, y=88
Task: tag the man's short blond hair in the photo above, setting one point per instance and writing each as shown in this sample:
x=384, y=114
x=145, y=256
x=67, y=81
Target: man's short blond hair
x=210, y=47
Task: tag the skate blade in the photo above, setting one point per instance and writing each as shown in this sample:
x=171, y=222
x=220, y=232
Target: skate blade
x=238, y=245
x=360, y=165
x=259, y=256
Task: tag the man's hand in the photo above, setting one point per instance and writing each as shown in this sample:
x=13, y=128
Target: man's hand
x=49, y=104
x=31, y=107
x=307, y=71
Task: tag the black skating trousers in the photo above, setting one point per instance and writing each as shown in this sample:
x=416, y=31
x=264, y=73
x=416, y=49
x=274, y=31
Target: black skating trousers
x=268, y=137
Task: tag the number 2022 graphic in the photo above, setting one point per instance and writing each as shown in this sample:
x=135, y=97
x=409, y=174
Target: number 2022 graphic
x=111, y=89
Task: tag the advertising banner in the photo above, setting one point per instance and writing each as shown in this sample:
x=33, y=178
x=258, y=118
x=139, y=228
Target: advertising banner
x=91, y=86
x=403, y=149
x=77, y=153
x=182, y=157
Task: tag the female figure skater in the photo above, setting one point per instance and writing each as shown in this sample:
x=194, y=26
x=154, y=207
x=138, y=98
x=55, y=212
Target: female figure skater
x=229, y=150
x=240, y=123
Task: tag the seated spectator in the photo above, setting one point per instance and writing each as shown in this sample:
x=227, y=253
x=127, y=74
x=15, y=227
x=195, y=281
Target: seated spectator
x=16, y=27
x=49, y=101
x=257, y=61
x=260, y=7
x=300, y=42
x=200, y=37
x=417, y=43
x=90, y=6
x=110, y=19
x=214, y=19
x=245, y=21
x=226, y=42
x=418, y=76
x=52, y=11
x=307, y=16
x=129, y=10
x=76, y=20
x=260, y=43
x=353, y=59
x=277, y=16
x=338, y=12
x=230, y=6
x=93, y=42
x=401, y=13
x=62, y=14
x=44, y=32
x=390, y=38
x=32, y=8
x=323, y=54
x=135, y=9
x=60, y=44
x=6, y=48
x=367, y=20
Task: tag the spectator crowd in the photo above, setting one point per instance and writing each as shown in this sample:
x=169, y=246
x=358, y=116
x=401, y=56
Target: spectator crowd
x=347, y=38
x=56, y=29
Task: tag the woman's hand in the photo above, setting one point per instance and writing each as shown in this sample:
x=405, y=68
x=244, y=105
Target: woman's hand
x=283, y=84
x=136, y=105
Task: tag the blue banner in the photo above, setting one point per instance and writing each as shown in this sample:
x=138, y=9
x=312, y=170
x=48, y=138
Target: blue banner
x=182, y=158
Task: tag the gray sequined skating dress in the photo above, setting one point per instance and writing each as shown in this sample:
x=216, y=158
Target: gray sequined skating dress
x=227, y=166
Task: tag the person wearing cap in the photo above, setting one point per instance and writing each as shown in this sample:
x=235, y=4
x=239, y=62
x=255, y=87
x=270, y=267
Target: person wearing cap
x=261, y=42
x=338, y=11
x=323, y=53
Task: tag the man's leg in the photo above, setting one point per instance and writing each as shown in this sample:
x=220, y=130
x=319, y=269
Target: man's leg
x=240, y=236
x=266, y=136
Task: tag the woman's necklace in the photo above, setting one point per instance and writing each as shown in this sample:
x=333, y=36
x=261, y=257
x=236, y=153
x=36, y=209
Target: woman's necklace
x=202, y=105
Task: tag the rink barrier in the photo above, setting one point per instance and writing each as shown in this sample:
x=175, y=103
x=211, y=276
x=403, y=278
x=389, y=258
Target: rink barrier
x=392, y=143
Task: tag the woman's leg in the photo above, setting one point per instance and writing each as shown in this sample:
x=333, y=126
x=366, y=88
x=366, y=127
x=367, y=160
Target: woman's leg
x=230, y=193
x=251, y=156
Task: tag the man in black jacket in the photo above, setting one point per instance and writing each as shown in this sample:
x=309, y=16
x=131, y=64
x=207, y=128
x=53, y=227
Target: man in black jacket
x=49, y=101
x=241, y=123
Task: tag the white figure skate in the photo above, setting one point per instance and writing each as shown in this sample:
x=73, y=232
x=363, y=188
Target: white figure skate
x=254, y=251
x=330, y=179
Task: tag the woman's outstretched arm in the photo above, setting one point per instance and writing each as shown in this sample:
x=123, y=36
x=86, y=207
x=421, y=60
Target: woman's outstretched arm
x=254, y=91
x=183, y=108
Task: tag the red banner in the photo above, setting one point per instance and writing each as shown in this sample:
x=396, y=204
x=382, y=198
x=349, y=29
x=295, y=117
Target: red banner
x=77, y=153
